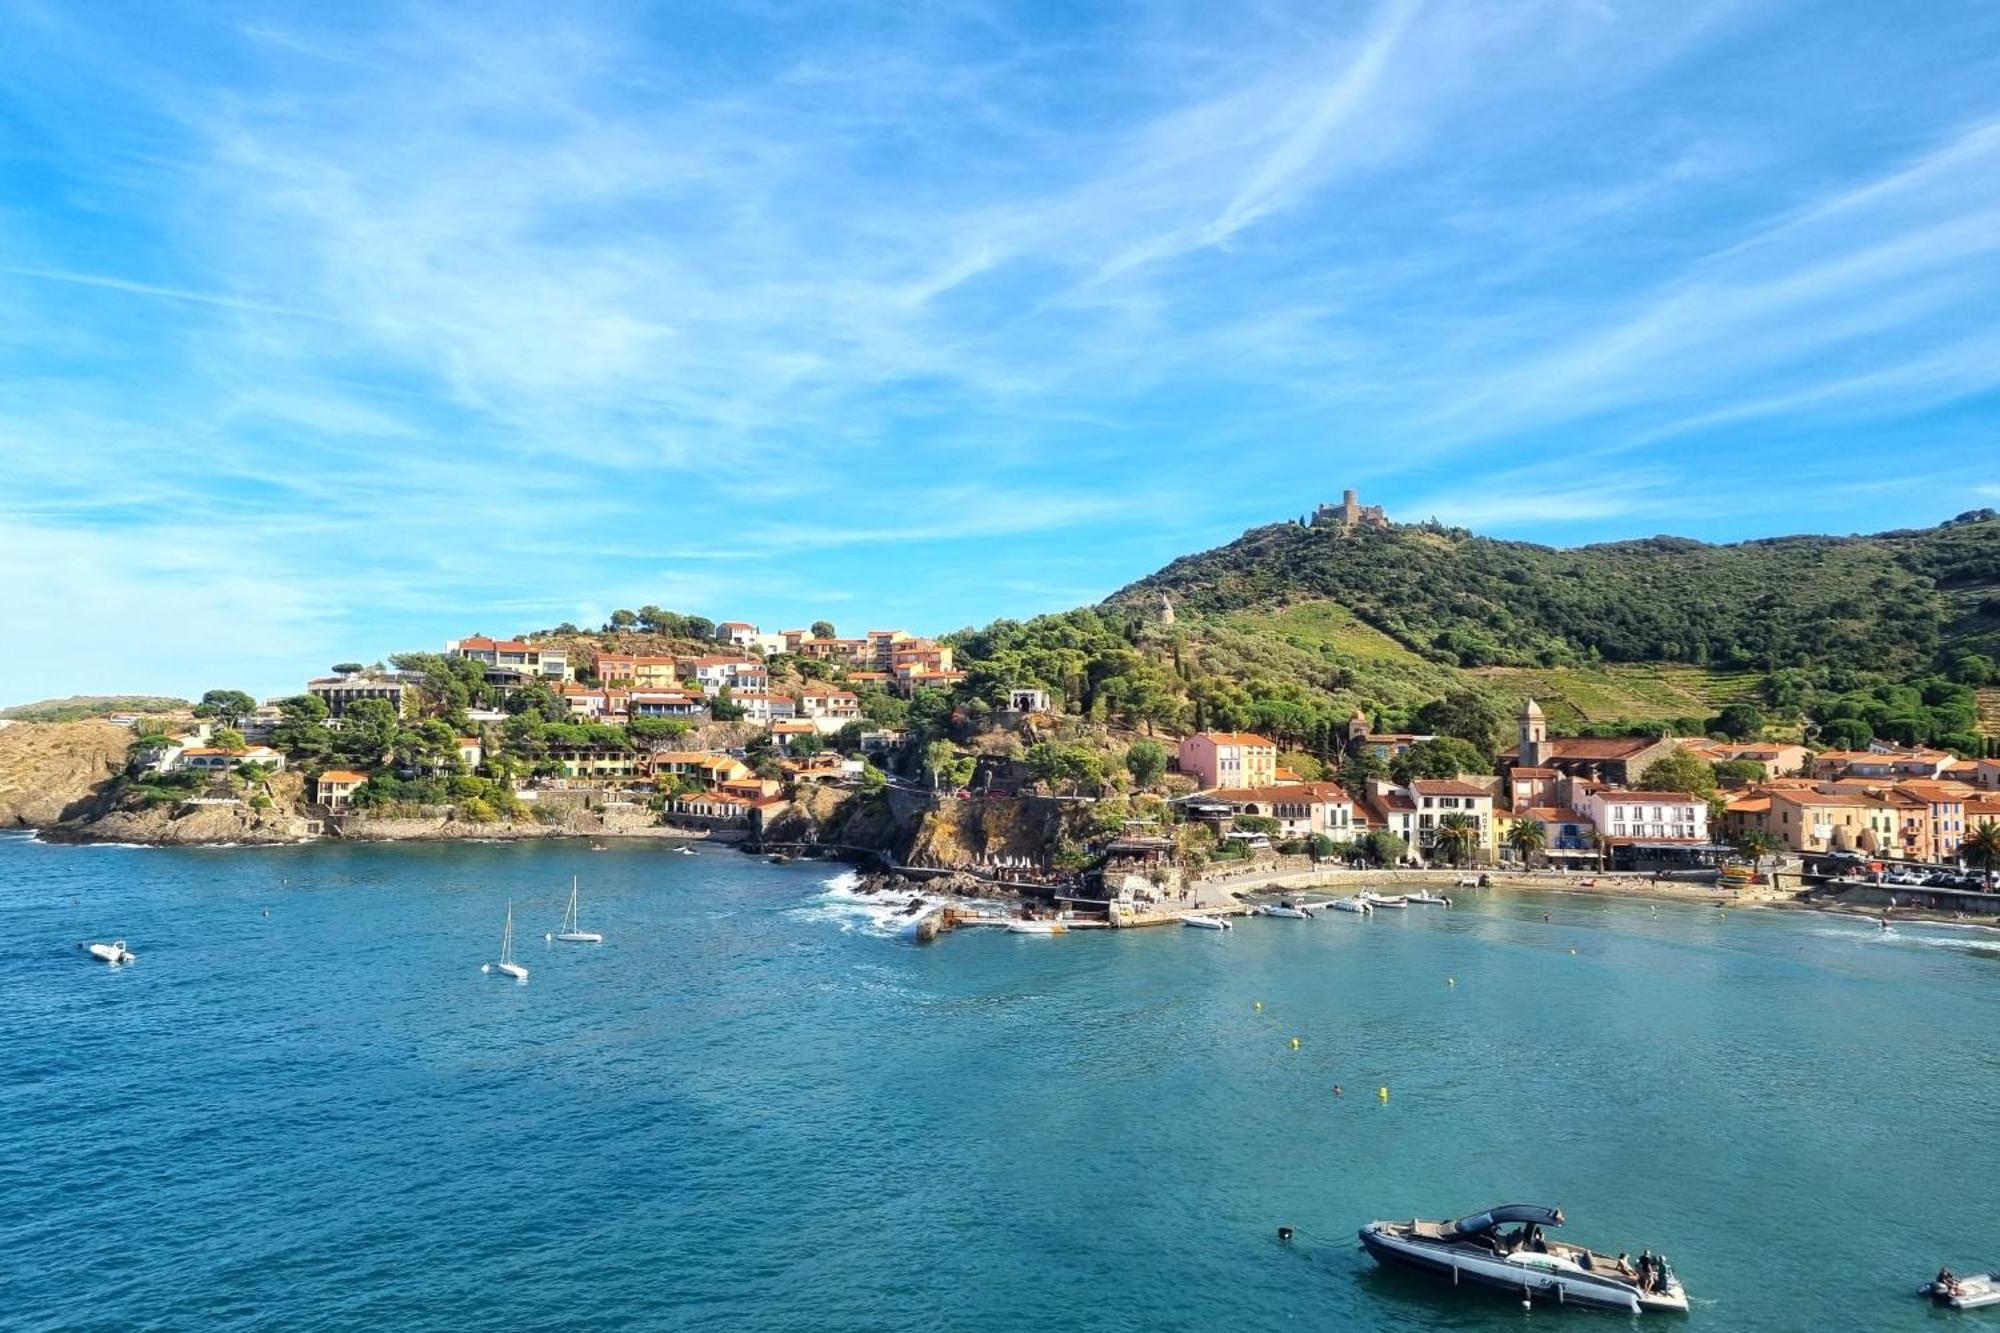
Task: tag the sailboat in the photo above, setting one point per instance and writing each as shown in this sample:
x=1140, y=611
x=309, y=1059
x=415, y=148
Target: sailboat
x=569, y=929
x=507, y=965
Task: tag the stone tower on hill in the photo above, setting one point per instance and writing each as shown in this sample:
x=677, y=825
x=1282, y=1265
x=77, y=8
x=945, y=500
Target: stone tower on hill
x=1350, y=514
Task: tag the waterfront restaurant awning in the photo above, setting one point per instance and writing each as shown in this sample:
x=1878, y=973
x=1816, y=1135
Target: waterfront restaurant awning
x=1671, y=846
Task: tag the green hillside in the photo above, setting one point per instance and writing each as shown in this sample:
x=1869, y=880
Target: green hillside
x=80, y=706
x=1889, y=603
x=1292, y=627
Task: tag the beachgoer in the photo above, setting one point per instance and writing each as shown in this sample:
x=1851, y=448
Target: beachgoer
x=1625, y=1264
x=1947, y=1282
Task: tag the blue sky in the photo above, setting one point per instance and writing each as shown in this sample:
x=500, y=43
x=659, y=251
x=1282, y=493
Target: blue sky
x=328, y=330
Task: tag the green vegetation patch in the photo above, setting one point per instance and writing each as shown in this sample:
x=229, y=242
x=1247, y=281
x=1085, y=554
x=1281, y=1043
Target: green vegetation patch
x=80, y=706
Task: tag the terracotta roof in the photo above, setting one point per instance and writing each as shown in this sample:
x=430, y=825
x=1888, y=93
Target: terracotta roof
x=1592, y=747
x=1234, y=738
x=1446, y=787
x=1661, y=797
x=1534, y=772
x=1311, y=793
x=1938, y=793
x=1545, y=813
x=1818, y=798
x=342, y=775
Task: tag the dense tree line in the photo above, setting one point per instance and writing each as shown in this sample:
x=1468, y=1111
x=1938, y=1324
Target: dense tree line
x=1893, y=603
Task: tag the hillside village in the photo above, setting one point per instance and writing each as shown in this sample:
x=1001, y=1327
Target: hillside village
x=1133, y=737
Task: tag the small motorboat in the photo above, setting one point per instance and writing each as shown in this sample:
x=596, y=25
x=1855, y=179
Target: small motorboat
x=1474, y=1249
x=1360, y=905
x=1287, y=908
x=1963, y=1293
x=1200, y=922
x=1027, y=926
x=599, y=847
x=1464, y=882
x=1386, y=900
x=683, y=850
x=1428, y=898
x=114, y=953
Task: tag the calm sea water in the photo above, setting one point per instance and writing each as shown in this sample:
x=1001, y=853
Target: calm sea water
x=746, y=1110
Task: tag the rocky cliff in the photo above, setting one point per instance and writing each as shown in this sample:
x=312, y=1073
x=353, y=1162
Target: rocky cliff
x=51, y=771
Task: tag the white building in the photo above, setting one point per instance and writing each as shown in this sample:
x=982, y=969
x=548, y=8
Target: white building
x=737, y=673
x=829, y=710
x=513, y=657
x=1647, y=816
x=1437, y=798
x=208, y=759
x=1301, y=808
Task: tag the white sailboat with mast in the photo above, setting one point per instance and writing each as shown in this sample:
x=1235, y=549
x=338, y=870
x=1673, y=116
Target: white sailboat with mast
x=570, y=930
x=507, y=965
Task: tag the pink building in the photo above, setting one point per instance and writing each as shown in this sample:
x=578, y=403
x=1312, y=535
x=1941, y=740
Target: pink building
x=1229, y=759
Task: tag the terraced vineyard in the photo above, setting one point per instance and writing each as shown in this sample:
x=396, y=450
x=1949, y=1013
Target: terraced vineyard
x=1313, y=625
x=1989, y=712
x=1654, y=692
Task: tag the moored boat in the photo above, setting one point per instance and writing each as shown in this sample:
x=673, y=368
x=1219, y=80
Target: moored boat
x=1963, y=1293
x=1287, y=908
x=506, y=965
x=1386, y=900
x=1200, y=922
x=1026, y=926
x=1360, y=905
x=571, y=931
x=1428, y=898
x=1475, y=1249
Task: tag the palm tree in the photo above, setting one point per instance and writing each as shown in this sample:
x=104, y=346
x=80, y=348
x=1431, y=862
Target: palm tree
x=1757, y=844
x=1528, y=838
x=1457, y=836
x=1982, y=848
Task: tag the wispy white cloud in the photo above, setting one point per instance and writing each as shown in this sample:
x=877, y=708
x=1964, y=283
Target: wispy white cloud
x=559, y=309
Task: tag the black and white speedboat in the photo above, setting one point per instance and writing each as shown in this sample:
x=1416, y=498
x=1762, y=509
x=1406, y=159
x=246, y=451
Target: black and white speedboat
x=1480, y=1249
x=1963, y=1293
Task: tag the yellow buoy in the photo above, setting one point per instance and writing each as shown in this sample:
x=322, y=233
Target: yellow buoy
x=1295, y=1043
x=1382, y=1093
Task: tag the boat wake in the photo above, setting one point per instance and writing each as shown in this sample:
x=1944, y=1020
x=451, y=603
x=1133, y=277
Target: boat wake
x=1973, y=940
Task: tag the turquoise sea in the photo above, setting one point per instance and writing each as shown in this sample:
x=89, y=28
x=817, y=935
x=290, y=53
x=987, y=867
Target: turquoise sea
x=304, y=1107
